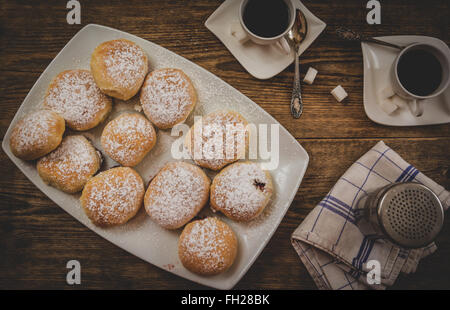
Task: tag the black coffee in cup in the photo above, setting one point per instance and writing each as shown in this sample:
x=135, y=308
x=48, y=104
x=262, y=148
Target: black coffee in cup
x=419, y=71
x=266, y=18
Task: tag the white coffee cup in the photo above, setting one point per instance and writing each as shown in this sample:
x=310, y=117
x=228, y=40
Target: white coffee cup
x=415, y=102
x=280, y=39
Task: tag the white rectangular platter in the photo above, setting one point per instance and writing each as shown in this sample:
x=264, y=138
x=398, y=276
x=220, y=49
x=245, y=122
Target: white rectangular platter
x=140, y=236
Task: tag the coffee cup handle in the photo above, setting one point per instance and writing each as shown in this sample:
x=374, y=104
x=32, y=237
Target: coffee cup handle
x=416, y=107
x=284, y=45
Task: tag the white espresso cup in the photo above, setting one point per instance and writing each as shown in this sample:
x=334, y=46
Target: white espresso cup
x=416, y=102
x=280, y=39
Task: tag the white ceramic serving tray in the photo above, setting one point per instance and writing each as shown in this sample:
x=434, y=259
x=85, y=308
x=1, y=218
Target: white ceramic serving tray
x=261, y=61
x=378, y=61
x=140, y=236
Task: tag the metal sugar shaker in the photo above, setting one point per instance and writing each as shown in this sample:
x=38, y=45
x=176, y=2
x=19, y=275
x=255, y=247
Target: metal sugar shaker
x=408, y=214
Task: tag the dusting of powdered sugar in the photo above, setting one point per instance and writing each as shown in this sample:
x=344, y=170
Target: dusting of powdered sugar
x=206, y=244
x=241, y=190
x=75, y=96
x=113, y=195
x=33, y=131
x=167, y=96
x=213, y=94
x=125, y=63
x=176, y=194
x=73, y=161
x=128, y=137
x=222, y=139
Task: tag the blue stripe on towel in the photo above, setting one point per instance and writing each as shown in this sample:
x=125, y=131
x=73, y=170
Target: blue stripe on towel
x=369, y=250
x=343, y=204
x=361, y=250
x=405, y=179
x=364, y=251
x=404, y=173
x=413, y=175
x=336, y=206
x=337, y=211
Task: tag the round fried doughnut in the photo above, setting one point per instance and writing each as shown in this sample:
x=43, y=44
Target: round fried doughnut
x=74, y=95
x=71, y=165
x=128, y=138
x=241, y=191
x=176, y=194
x=218, y=139
x=207, y=247
x=37, y=134
x=119, y=68
x=113, y=196
x=167, y=97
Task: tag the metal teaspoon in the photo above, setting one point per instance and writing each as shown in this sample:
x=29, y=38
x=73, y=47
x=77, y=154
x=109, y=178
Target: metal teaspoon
x=295, y=36
x=350, y=35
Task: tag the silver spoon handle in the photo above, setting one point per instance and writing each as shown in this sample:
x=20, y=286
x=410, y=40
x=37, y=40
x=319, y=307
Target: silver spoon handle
x=350, y=35
x=373, y=40
x=296, y=100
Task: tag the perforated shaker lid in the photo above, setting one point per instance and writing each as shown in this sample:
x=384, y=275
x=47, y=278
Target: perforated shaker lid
x=410, y=214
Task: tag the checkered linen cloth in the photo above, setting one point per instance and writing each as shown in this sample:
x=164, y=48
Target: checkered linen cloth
x=330, y=243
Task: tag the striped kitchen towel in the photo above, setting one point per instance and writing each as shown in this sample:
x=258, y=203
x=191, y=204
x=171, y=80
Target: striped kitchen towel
x=331, y=245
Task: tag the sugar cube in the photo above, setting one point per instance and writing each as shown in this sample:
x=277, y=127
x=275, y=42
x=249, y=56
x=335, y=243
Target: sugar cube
x=386, y=92
x=339, y=93
x=388, y=106
x=310, y=75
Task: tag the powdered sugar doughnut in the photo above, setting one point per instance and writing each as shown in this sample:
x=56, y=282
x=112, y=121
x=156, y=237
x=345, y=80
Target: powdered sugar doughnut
x=241, y=191
x=128, y=138
x=119, y=68
x=167, y=97
x=37, y=134
x=176, y=194
x=218, y=139
x=71, y=165
x=74, y=95
x=113, y=196
x=207, y=246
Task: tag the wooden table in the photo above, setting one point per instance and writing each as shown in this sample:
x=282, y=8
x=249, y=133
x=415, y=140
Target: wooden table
x=37, y=238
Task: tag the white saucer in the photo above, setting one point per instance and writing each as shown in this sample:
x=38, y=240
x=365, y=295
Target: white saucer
x=261, y=61
x=377, y=65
